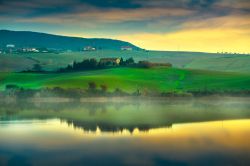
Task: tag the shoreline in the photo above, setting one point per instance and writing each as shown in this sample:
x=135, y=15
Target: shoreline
x=124, y=99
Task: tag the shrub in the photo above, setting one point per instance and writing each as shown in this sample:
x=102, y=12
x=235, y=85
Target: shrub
x=104, y=88
x=92, y=86
x=37, y=68
x=11, y=86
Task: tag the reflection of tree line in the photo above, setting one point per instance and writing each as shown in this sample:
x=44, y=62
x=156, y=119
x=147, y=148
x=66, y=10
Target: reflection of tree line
x=108, y=127
x=173, y=113
x=11, y=110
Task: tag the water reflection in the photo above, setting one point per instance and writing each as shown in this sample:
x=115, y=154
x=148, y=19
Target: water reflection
x=115, y=116
x=55, y=142
x=200, y=132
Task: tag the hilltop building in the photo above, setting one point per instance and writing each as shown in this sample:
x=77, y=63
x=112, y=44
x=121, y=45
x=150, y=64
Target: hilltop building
x=10, y=48
x=126, y=48
x=29, y=50
x=89, y=48
x=110, y=61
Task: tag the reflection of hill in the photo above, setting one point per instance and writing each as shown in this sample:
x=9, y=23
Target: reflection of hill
x=118, y=116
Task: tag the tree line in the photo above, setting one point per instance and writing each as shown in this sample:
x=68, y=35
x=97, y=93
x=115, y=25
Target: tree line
x=95, y=90
x=93, y=64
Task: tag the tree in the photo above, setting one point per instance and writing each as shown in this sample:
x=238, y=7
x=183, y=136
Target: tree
x=122, y=62
x=104, y=88
x=11, y=86
x=74, y=65
x=130, y=61
x=37, y=68
x=93, y=63
x=92, y=86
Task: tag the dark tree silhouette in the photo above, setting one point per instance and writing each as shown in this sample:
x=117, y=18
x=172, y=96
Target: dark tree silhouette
x=37, y=68
x=92, y=86
x=130, y=61
x=104, y=88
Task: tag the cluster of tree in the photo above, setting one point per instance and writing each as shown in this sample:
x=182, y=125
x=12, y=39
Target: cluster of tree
x=127, y=62
x=37, y=68
x=93, y=64
x=93, y=89
x=87, y=64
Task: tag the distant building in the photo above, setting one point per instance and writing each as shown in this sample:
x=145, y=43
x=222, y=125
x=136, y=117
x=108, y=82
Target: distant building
x=110, y=61
x=89, y=48
x=29, y=50
x=126, y=48
x=10, y=46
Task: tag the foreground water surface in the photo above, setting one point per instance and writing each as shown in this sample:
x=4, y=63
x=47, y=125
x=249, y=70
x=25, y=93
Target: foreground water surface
x=183, y=132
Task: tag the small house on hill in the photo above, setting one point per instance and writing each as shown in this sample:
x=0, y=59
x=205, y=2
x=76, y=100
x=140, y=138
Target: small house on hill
x=89, y=48
x=110, y=61
x=126, y=48
x=10, y=46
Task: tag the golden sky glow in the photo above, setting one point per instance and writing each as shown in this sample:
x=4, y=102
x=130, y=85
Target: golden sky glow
x=209, y=40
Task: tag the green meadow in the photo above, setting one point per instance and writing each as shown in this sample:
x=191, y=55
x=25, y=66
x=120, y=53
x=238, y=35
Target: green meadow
x=130, y=79
x=191, y=71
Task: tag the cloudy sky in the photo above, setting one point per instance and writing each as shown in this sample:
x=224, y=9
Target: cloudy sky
x=188, y=25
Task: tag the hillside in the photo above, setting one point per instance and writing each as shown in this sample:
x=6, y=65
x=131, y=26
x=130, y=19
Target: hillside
x=35, y=39
x=186, y=60
x=131, y=79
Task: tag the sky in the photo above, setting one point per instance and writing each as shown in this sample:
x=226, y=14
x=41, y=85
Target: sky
x=174, y=25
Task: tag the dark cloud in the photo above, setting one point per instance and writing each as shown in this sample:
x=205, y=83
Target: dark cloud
x=125, y=4
x=46, y=7
x=202, y=3
x=117, y=15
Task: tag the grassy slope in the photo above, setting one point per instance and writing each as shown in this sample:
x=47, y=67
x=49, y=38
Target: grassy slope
x=16, y=63
x=129, y=79
x=205, y=61
x=239, y=63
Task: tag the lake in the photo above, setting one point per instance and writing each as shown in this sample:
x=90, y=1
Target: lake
x=209, y=131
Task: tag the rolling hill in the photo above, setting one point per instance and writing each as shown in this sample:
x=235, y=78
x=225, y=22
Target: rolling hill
x=131, y=79
x=35, y=39
x=186, y=60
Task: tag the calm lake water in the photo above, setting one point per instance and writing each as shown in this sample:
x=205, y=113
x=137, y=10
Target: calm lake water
x=191, y=132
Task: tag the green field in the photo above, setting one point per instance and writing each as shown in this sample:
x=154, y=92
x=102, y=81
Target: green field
x=131, y=79
x=188, y=60
x=192, y=71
